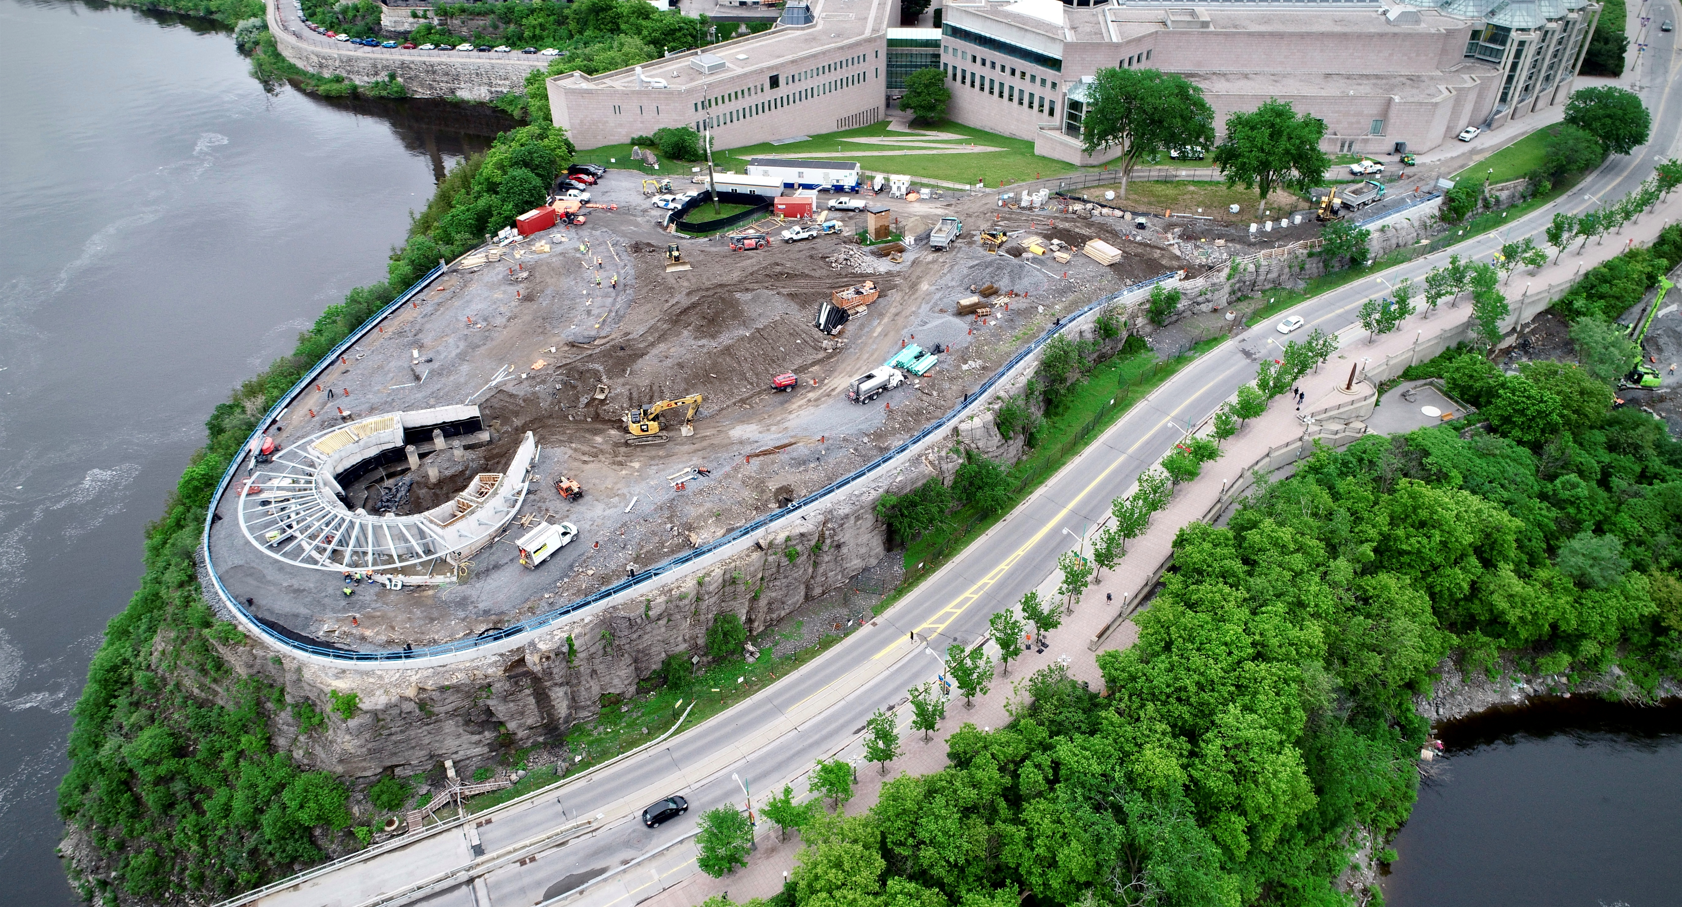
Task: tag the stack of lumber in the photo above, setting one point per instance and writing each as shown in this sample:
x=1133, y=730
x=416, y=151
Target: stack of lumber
x=988, y=291
x=971, y=305
x=854, y=298
x=1102, y=252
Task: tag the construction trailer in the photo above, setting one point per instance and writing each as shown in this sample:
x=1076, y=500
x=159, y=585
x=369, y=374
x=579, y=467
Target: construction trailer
x=748, y=184
x=790, y=173
x=535, y=220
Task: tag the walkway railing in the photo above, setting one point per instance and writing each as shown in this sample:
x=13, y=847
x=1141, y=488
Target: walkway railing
x=406, y=657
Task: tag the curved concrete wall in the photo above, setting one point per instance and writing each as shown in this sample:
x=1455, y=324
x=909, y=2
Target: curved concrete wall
x=473, y=77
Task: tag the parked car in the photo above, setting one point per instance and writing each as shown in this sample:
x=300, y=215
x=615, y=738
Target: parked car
x=1468, y=134
x=338, y=37
x=595, y=170
x=503, y=49
x=465, y=45
x=1291, y=323
x=584, y=178
x=1366, y=168
x=427, y=47
x=549, y=52
x=665, y=811
x=483, y=49
x=665, y=201
x=800, y=232
x=845, y=204
x=333, y=34
x=582, y=196
x=407, y=45
x=389, y=44
x=749, y=241
x=1665, y=26
x=529, y=50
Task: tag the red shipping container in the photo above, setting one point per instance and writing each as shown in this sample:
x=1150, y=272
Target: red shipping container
x=794, y=206
x=534, y=220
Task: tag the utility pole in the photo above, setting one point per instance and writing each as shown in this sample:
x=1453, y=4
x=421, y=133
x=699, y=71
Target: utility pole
x=712, y=187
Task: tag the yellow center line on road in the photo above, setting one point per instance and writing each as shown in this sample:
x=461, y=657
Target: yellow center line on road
x=950, y=613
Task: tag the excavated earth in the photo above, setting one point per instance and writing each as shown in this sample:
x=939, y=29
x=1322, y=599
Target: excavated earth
x=722, y=329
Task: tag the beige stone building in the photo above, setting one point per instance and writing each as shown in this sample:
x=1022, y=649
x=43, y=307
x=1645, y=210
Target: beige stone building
x=1378, y=73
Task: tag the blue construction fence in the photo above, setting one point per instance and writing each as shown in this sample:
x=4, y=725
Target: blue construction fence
x=548, y=618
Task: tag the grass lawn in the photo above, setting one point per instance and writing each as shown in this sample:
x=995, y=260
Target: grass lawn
x=1511, y=162
x=1014, y=163
x=705, y=215
x=1208, y=199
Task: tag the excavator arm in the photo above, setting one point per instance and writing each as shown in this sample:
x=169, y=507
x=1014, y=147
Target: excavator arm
x=646, y=420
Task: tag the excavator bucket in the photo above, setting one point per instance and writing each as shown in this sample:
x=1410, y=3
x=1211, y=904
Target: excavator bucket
x=688, y=430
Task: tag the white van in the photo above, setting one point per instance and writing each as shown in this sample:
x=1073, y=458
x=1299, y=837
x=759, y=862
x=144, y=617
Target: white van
x=537, y=545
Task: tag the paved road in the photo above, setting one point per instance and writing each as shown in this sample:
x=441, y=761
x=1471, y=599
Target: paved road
x=292, y=19
x=819, y=709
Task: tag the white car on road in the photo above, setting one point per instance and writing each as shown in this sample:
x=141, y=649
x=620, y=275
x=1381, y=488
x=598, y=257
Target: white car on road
x=1469, y=133
x=1292, y=323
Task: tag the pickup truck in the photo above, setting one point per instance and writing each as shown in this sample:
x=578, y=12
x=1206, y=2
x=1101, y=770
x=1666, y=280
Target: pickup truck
x=1366, y=168
x=799, y=232
x=945, y=233
x=846, y=204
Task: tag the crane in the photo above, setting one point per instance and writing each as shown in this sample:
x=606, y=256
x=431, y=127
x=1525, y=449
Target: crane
x=644, y=422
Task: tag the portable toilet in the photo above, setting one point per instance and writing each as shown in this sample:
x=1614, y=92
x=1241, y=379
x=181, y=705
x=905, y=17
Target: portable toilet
x=878, y=221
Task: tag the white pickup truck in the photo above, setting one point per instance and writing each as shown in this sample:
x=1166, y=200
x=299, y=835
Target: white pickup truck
x=1365, y=168
x=799, y=232
x=846, y=204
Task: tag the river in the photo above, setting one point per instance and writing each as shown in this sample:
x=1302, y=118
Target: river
x=1568, y=803
x=169, y=227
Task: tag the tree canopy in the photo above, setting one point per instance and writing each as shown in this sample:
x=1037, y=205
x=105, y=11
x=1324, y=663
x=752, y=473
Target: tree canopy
x=926, y=95
x=1144, y=112
x=1613, y=115
x=1273, y=146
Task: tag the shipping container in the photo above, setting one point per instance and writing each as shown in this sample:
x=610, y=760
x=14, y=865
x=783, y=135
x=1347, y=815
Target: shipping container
x=795, y=206
x=534, y=220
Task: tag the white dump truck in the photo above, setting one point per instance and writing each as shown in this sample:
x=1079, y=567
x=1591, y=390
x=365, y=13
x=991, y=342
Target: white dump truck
x=945, y=233
x=873, y=384
x=543, y=541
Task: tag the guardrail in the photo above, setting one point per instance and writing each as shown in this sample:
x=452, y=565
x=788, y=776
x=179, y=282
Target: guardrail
x=405, y=657
x=1392, y=212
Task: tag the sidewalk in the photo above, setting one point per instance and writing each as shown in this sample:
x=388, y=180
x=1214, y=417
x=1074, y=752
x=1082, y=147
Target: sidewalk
x=764, y=875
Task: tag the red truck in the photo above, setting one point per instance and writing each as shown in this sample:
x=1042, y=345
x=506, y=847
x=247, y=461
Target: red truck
x=787, y=381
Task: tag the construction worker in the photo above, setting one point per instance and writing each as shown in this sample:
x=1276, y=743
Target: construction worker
x=615, y=281
x=349, y=591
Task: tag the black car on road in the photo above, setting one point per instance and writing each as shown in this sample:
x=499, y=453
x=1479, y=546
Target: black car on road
x=665, y=811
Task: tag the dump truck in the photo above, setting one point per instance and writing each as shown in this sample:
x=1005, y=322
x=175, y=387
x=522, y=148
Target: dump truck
x=543, y=541
x=873, y=384
x=945, y=233
x=1361, y=194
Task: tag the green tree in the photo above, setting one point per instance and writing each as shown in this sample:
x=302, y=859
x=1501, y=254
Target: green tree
x=1375, y=318
x=1613, y=115
x=679, y=143
x=1342, y=240
x=1143, y=112
x=1461, y=201
x=881, y=740
x=1077, y=575
x=1568, y=152
x=1608, y=44
x=1249, y=403
x=1489, y=306
x=1181, y=466
x=832, y=779
x=1523, y=412
x=1203, y=449
x=971, y=670
x=1473, y=379
x=782, y=811
x=1132, y=514
x=1584, y=401
x=926, y=95
x=1593, y=561
x=1667, y=176
x=677, y=671
x=981, y=483
x=1273, y=146
x=911, y=10
x=1006, y=630
x=928, y=708
x=910, y=515
x=723, y=841
x=1037, y=611
x=1224, y=425
x=1153, y=490
x=1163, y=304
x=726, y=635
x=1109, y=546
x=1560, y=231
x=1603, y=350
x=390, y=793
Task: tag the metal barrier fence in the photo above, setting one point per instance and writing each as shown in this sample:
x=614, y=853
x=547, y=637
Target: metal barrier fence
x=538, y=622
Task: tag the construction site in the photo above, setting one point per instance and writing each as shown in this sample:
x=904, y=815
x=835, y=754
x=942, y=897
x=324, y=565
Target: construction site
x=575, y=404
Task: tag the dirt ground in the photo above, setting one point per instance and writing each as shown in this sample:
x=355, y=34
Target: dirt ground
x=722, y=329
x=1548, y=337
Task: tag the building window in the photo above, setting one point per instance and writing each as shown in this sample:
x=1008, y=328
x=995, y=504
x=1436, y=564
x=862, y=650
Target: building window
x=1010, y=93
x=1051, y=109
x=1054, y=86
x=774, y=81
x=1377, y=127
x=1042, y=103
x=1147, y=55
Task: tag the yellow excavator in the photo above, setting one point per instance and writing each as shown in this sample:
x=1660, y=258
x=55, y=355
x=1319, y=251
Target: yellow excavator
x=1329, y=207
x=644, y=422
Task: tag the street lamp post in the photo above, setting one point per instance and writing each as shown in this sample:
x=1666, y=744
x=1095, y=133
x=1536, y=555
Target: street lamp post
x=748, y=797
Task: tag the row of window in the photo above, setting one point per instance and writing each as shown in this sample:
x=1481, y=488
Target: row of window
x=1134, y=60
x=988, y=42
x=1005, y=91
x=994, y=66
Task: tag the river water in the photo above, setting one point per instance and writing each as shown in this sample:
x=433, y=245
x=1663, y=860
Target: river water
x=1569, y=803
x=167, y=227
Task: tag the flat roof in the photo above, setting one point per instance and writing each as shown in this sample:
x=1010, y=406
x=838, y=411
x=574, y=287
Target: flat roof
x=802, y=163
x=1402, y=86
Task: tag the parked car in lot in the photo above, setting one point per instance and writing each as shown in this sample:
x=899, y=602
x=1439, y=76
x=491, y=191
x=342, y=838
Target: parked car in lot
x=484, y=50
x=1469, y=133
x=529, y=50
x=800, y=232
x=427, y=47
x=408, y=45
x=549, y=52
x=1291, y=324
x=582, y=196
x=503, y=49
x=664, y=201
x=665, y=811
x=465, y=45
x=595, y=170
x=584, y=178
x=389, y=44
x=846, y=204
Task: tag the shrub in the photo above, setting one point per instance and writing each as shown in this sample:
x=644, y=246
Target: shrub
x=726, y=635
x=981, y=483
x=1163, y=303
x=911, y=515
x=678, y=143
x=390, y=793
x=677, y=670
x=1460, y=201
